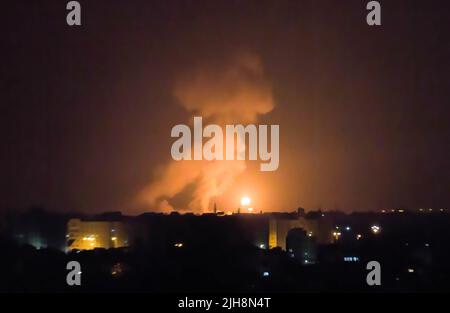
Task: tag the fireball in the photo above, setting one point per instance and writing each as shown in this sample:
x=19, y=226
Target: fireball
x=245, y=201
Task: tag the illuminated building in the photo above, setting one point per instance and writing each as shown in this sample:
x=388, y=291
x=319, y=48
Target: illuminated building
x=88, y=235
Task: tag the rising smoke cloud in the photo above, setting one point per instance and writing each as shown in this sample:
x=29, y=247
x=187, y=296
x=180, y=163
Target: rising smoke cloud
x=232, y=92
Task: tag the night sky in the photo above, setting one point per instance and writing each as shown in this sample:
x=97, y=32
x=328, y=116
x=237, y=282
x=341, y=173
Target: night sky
x=86, y=112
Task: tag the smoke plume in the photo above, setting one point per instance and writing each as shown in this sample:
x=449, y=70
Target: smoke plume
x=232, y=92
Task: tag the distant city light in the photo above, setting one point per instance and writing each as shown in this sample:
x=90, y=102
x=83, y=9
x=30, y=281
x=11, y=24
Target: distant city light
x=310, y=234
x=117, y=269
x=351, y=259
x=245, y=201
x=266, y=274
x=410, y=270
x=358, y=237
x=113, y=238
x=262, y=246
x=375, y=229
x=336, y=235
x=347, y=228
x=250, y=210
x=179, y=245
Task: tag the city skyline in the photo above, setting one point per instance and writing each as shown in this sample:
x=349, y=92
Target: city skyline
x=225, y=154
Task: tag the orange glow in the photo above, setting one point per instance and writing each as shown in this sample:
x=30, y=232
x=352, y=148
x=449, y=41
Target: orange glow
x=245, y=201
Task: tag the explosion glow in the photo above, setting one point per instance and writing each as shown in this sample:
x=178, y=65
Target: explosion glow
x=245, y=201
x=230, y=92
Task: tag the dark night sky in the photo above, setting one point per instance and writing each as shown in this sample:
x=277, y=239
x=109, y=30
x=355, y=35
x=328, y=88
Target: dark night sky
x=363, y=112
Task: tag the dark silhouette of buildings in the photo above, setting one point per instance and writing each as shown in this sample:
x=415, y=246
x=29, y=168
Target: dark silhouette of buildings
x=314, y=251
